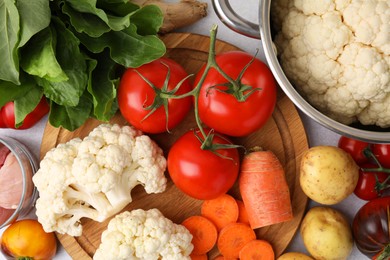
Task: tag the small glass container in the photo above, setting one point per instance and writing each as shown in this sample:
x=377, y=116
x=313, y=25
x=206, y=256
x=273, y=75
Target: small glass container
x=17, y=191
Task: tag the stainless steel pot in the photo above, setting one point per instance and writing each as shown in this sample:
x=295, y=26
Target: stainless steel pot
x=262, y=31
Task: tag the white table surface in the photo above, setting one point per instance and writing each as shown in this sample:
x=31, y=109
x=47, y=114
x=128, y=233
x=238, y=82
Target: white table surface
x=316, y=134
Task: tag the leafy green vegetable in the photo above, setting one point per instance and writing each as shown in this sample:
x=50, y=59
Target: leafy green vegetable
x=39, y=58
x=10, y=91
x=9, y=28
x=30, y=22
x=72, y=117
x=27, y=103
x=71, y=50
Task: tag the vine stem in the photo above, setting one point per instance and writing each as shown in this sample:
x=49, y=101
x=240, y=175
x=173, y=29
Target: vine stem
x=211, y=63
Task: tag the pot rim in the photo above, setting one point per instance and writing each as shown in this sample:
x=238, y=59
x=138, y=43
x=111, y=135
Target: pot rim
x=296, y=98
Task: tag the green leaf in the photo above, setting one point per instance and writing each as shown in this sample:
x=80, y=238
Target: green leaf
x=85, y=22
x=102, y=2
x=119, y=7
x=9, y=40
x=34, y=16
x=73, y=63
x=73, y=117
x=10, y=91
x=88, y=8
x=102, y=86
x=39, y=57
x=127, y=47
x=146, y=25
x=26, y=104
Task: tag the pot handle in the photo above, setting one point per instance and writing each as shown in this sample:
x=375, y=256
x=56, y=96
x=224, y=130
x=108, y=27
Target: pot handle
x=231, y=19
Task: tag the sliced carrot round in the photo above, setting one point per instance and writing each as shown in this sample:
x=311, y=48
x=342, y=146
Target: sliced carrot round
x=204, y=234
x=257, y=249
x=222, y=210
x=233, y=238
x=242, y=214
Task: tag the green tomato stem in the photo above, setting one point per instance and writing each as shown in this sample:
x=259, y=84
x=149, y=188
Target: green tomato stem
x=385, y=254
x=370, y=155
x=207, y=138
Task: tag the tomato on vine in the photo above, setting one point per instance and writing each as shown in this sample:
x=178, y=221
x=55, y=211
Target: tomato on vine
x=355, y=148
x=382, y=153
x=144, y=95
x=370, y=184
x=203, y=173
x=241, y=105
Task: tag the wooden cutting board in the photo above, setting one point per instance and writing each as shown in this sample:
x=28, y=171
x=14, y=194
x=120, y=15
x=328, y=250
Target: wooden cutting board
x=284, y=134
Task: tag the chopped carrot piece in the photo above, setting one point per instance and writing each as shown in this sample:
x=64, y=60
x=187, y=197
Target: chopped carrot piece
x=264, y=189
x=257, y=249
x=222, y=210
x=233, y=238
x=242, y=214
x=204, y=234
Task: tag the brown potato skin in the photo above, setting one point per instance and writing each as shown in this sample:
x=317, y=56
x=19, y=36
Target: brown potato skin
x=328, y=174
x=294, y=256
x=326, y=234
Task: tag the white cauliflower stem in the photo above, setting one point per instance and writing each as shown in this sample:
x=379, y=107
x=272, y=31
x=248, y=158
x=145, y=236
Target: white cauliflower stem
x=144, y=234
x=337, y=55
x=93, y=177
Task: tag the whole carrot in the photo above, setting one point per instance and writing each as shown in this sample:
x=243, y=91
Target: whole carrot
x=264, y=189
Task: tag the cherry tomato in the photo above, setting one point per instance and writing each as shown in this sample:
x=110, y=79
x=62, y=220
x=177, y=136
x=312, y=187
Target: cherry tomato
x=26, y=238
x=370, y=227
x=8, y=115
x=365, y=187
x=355, y=148
x=382, y=152
x=199, y=173
x=135, y=95
x=2, y=123
x=224, y=112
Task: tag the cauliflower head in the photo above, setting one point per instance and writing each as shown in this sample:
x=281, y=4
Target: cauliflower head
x=337, y=55
x=144, y=234
x=93, y=177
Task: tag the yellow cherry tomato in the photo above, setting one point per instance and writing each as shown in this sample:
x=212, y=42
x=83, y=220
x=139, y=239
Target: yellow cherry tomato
x=26, y=238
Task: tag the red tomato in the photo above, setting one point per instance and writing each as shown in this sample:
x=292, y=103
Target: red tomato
x=2, y=123
x=365, y=188
x=135, y=95
x=199, y=173
x=382, y=152
x=355, y=148
x=8, y=115
x=224, y=112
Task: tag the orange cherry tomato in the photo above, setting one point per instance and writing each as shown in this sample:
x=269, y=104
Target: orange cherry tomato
x=26, y=238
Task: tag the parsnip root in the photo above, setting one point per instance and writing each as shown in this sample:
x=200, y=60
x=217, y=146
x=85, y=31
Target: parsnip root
x=178, y=14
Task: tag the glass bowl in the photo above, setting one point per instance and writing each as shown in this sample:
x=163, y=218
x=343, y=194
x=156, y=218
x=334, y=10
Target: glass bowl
x=17, y=191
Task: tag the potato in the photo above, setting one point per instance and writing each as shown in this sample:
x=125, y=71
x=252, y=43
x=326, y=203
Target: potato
x=294, y=256
x=328, y=174
x=326, y=234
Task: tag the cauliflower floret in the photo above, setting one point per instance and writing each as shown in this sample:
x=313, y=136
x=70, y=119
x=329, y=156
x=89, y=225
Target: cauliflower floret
x=144, y=234
x=93, y=177
x=336, y=53
x=370, y=22
x=366, y=74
